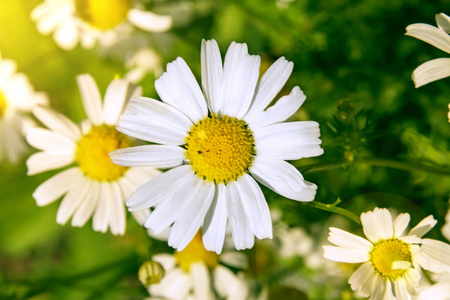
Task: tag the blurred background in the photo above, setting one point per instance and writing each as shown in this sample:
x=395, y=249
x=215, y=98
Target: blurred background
x=386, y=143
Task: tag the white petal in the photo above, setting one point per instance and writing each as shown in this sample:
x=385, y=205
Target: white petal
x=117, y=95
x=168, y=261
x=228, y=285
x=149, y=21
x=44, y=161
x=271, y=84
x=241, y=72
x=154, y=121
x=44, y=139
x=255, y=207
x=67, y=35
x=179, y=88
x=400, y=290
x=174, y=285
x=412, y=278
x=400, y=224
x=423, y=227
x=57, y=122
x=87, y=207
x=151, y=193
x=215, y=224
x=240, y=229
x=212, y=74
x=282, y=178
x=56, y=186
x=430, y=34
x=72, y=200
x=157, y=156
x=431, y=71
x=377, y=224
x=345, y=239
x=200, y=279
x=438, y=291
x=187, y=224
x=443, y=22
x=174, y=203
x=289, y=141
x=437, y=254
x=360, y=276
x=285, y=107
x=92, y=100
x=346, y=255
x=234, y=259
x=103, y=210
x=117, y=215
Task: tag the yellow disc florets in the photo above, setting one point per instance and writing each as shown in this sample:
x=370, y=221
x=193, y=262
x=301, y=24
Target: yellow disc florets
x=196, y=252
x=385, y=253
x=93, y=153
x=3, y=104
x=220, y=148
x=103, y=14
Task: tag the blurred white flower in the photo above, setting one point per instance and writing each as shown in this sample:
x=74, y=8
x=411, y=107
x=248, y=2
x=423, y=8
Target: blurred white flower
x=17, y=99
x=195, y=273
x=143, y=62
x=88, y=21
x=94, y=186
x=391, y=260
x=446, y=228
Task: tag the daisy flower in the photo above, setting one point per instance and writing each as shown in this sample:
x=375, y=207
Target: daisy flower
x=216, y=143
x=92, y=185
x=17, y=98
x=195, y=273
x=391, y=260
x=437, y=36
x=86, y=21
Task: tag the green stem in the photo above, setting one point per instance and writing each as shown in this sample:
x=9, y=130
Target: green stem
x=335, y=209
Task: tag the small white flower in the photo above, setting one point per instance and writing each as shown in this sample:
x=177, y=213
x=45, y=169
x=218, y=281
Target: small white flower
x=217, y=143
x=94, y=185
x=437, y=36
x=17, y=99
x=143, y=62
x=195, y=273
x=391, y=260
x=86, y=21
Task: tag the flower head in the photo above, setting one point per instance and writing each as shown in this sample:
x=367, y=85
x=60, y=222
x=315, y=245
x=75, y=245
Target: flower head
x=217, y=143
x=86, y=21
x=94, y=185
x=17, y=99
x=391, y=260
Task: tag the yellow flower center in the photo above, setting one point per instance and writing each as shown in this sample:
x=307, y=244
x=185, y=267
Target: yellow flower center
x=103, y=14
x=93, y=153
x=195, y=252
x=385, y=253
x=220, y=148
x=3, y=104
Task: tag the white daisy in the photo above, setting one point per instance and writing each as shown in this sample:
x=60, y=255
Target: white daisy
x=92, y=185
x=86, y=21
x=143, y=62
x=213, y=140
x=391, y=260
x=437, y=36
x=17, y=98
x=195, y=273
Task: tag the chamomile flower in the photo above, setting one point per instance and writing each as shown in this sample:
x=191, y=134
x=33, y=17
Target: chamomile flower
x=391, y=260
x=88, y=21
x=439, y=37
x=217, y=142
x=92, y=185
x=195, y=273
x=17, y=98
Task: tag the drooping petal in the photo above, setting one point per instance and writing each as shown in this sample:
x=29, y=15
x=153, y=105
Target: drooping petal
x=200, y=279
x=430, y=34
x=282, y=178
x=288, y=141
x=102, y=212
x=443, y=22
x=359, y=278
x=117, y=217
x=179, y=88
x=400, y=290
x=157, y=156
x=92, y=100
x=87, y=206
x=149, y=21
x=377, y=224
x=271, y=84
x=215, y=223
x=72, y=200
x=154, y=121
x=53, y=188
x=212, y=74
x=423, y=227
x=431, y=71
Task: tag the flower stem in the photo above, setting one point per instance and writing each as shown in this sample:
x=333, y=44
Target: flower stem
x=335, y=209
